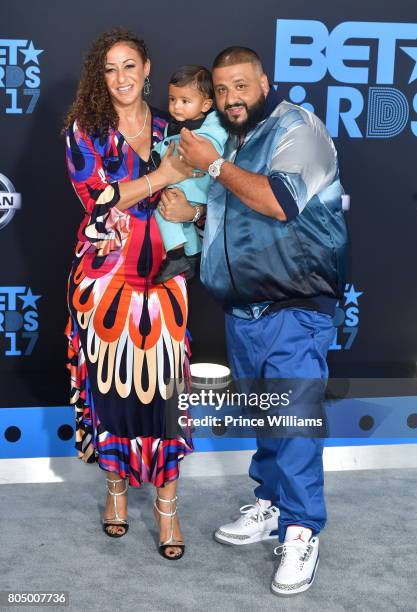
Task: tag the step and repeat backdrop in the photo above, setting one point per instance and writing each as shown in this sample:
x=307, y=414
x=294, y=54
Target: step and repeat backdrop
x=354, y=65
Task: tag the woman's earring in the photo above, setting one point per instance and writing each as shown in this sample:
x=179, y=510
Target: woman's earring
x=147, y=86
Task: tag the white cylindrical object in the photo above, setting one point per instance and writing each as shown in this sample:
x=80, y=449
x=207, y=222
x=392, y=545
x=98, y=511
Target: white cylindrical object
x=210, y=375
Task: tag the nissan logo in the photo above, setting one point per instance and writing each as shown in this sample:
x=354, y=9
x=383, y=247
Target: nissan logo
x=10, y=201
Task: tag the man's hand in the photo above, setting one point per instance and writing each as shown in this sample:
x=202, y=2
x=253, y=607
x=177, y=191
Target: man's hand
x=174, y=206
x=252, y=189
x=196, y=151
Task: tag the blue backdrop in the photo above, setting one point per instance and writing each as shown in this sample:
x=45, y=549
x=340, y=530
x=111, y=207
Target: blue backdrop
x=354, y=64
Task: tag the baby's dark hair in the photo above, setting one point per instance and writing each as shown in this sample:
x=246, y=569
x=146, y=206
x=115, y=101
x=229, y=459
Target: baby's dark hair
x=198, y=75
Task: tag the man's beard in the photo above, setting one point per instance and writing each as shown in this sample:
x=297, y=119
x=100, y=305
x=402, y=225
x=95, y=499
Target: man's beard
x=255, y=114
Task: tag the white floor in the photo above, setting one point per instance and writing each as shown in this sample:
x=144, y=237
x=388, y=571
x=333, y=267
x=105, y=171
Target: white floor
x=225, y=463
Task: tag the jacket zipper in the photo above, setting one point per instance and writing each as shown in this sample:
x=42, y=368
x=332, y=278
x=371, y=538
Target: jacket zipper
x=224, y=232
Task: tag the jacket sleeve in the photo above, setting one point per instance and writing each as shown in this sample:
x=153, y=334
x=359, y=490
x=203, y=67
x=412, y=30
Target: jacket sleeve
x=106, y=227
x=303, y=164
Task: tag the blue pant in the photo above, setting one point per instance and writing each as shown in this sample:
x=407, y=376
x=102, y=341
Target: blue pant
x=289, y=343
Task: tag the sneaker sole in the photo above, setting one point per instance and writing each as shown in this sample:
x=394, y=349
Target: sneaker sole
x=252, y=540
x=305, y=587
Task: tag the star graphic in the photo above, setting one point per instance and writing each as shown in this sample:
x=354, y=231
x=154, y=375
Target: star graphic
x=31, y=54
x=29, y=299
x=352, y=295
x=412, y=52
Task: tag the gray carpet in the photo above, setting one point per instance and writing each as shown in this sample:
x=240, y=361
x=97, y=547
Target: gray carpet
x=51, y=540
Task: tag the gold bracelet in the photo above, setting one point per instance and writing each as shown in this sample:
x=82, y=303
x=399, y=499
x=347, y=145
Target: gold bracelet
x=149, y=185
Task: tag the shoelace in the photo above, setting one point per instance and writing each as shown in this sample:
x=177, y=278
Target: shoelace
x=252, y=511
x=291, y=552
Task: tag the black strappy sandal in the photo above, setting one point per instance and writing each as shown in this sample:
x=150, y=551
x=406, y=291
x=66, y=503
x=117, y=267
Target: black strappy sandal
x=116, y=520
x=171, y=542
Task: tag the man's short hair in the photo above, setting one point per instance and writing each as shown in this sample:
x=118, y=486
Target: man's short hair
x=198, y=76
x=237, y=55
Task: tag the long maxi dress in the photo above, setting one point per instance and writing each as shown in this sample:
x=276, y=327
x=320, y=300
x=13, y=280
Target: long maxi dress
x=127, y=338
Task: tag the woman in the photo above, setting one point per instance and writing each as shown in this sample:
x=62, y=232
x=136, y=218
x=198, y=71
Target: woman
x=127, y=336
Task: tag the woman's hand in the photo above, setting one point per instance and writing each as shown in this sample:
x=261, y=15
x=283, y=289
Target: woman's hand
x=174, y=206
x=174, y=169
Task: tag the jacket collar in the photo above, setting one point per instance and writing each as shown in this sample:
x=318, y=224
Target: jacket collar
x=271, y=102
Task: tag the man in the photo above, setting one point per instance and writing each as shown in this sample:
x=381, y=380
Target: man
x=273, y=255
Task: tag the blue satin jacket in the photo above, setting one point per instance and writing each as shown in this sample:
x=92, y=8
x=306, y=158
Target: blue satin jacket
x=249, y=258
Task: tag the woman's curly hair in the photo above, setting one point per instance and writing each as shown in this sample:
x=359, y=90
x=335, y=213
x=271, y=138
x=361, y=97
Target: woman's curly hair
x=92, y=107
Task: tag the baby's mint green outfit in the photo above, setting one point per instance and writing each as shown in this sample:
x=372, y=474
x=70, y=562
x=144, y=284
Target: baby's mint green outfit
x=195, y=189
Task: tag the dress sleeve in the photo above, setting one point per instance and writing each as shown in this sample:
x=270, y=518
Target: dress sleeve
x=106, y=226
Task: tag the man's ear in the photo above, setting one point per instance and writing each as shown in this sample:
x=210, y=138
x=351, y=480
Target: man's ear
x=207, y=104
x=264, y=83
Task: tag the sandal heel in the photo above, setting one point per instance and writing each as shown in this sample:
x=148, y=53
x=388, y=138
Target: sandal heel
x=171, y=542
x=116, y=521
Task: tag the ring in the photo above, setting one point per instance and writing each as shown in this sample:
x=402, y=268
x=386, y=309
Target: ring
x=181, y=157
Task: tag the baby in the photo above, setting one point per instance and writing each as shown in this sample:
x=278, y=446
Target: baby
x=190, y=102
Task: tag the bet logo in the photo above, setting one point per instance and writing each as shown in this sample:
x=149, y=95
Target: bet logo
x=346, y=320
x=19, y=76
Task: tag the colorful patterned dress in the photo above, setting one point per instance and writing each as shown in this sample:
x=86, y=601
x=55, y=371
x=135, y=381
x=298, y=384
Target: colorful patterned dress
x=128, y=345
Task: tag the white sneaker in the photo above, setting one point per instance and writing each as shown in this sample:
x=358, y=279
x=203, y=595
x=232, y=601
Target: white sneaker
x=258, y=522
x=299, y=561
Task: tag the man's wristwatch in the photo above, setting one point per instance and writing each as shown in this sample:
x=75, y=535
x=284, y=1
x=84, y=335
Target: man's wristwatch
x=197, y=214
x=214, y=168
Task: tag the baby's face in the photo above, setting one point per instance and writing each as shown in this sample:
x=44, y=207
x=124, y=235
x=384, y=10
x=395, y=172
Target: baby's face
x=187, y=102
